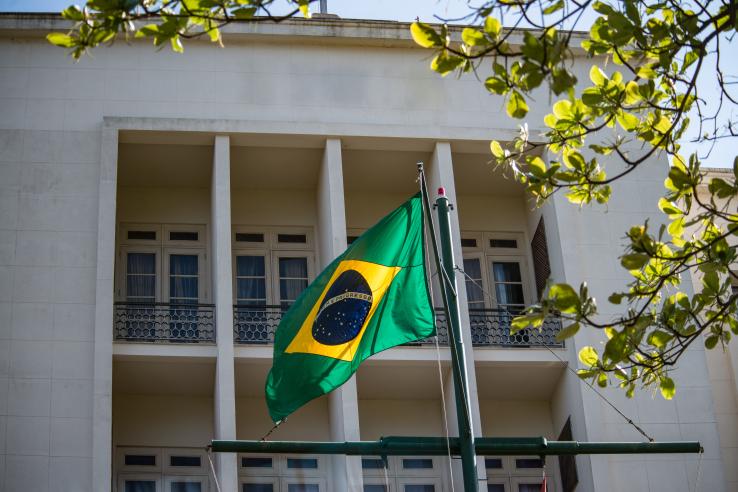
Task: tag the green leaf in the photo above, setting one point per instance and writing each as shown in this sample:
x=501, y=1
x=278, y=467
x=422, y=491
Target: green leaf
x=735, y=167
x=554, y=7
x=634, y=261
x=615, y=298
x=59, y=39
x=659, y=338
x=425, y=35
x=564, y=297
x=516, y=106
x=492, y=27
x=597, y=76
x=567, y=332
x=588, y=356
x=73, y=13
x=473, y=37
x=711, y=342
x=627, y=120
x=533, y=320
x=497, y=150
x=668, y=390
x=562, y=110
x=496, y=85
x=445, y=63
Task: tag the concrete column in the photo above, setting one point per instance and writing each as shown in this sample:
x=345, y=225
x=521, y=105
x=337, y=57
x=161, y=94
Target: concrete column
x=440, y=173
x=343, y=402
x=102, y=411
x=221, y=271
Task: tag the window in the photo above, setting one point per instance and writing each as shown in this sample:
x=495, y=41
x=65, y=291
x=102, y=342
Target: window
x=403, y=474
x=517, y=474
x=496, y=273
x=167, y=470
x=271, y=268
x=172, y=270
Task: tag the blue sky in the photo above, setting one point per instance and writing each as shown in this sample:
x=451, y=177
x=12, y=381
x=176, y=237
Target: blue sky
x=407, y=10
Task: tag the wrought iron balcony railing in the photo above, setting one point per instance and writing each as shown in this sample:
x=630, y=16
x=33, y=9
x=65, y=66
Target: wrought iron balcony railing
x=163, y=322
x=491, y=328
x=255, y=325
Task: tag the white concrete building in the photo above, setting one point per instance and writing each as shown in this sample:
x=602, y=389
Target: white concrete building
x=152, y=206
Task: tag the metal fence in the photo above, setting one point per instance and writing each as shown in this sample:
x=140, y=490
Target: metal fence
x=163, y=322
x=255, y=325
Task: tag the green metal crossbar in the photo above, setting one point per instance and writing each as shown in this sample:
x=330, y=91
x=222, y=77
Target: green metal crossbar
x=440, y=446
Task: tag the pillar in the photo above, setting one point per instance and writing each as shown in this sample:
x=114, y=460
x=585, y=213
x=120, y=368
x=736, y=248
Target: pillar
x=221, y=271
x=440, y=173
x=343, y=402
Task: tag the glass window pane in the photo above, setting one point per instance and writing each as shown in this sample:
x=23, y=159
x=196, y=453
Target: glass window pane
x=290, y=290
x=495, y=487
x=184, y=461
x=141, y=263
x=372, y=463
x=293, y=268
x=375, y=488
x=250, y=266
x=183, y=287
x=417, y=463
x=529, y=487
x=493, y=463
x=506, y=271
x=141, y=286
x=140, y=460
x=510, y=294
x=183, y=264
x=420, y=488
x=256, y=462
x=257, y=487
x=473, y=268
x=251, y=288
x=140, y=486
x=303, y=487
x=185, y=487
x=528, y=463
x=302, y=463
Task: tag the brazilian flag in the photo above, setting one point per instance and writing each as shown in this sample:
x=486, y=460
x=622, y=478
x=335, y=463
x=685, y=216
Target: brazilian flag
x=372, y=297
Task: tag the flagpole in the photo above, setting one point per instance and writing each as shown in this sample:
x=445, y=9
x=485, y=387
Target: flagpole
x=447, y=277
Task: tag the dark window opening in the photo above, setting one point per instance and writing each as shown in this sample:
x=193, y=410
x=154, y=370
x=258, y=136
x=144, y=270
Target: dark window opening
x=292, y=238
x=493, y=463
x=256, y=462
x=184, y=461
x=528, y=463
x=541, y=265
x=503, y=243
x=568, y=464
x=468, y=243
x=183, y=236
x=140, y=460
x=417, y=463
x=249, y=237
x=372, y=463
x=142, y=235
x=302, y=463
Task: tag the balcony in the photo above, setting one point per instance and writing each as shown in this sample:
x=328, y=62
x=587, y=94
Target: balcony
x=164, y=322
x=256, y=325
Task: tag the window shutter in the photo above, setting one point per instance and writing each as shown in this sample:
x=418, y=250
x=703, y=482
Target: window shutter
x=541, y=266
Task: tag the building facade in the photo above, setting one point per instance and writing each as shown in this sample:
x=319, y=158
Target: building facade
x=159, y=212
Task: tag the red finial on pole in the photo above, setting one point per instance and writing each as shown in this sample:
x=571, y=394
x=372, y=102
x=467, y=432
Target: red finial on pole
x=441, y=191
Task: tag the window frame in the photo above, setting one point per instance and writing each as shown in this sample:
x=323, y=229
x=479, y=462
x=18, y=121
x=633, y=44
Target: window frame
x=202, y=479
x=259, y=480
x=379, y=472
x=267, y=272
x=202, y=235
x=125, y=227
x=154, y=477
x=409, y=480
x=318, y=472
x=121, y=453
x=272, y=471
x=286, y=481
x=122, y=270
x=524, y=274
x=276, y=255
x=517, y=480
x=375, y=480
x=167, y=468
x=202, y=272
x=488, y=300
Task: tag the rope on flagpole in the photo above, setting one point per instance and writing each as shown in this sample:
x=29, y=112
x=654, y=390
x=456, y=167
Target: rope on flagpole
x=209, y=451
x=421, y=180
x=264, y=438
